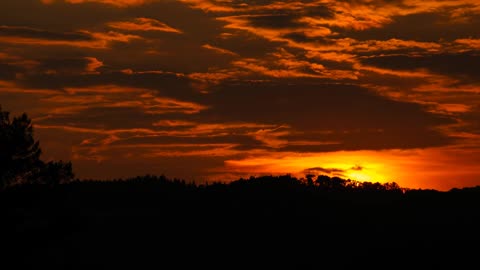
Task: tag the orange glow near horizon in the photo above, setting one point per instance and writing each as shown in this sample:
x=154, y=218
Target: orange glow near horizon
x=371, y=90
x=418, y=168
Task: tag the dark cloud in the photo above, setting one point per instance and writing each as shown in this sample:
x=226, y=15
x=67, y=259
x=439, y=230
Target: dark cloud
x=189, y=140
x=27, y=32
x=428, y=27
x=358, y=140
x=471, y=122
x=289, y=18
x=461, y=65
x=162, y=51
x=247, y=44
x=303, y=37
x=357, y=168
x=238, y=78
x=362, y=139
x=167, y=84
x=275, y=21
x=8, y=72
x=329, y=171
x=352, y=116
x=73, y=65
x=105, y=118
x=315, y=106
x=318, y=10
x=35, y=14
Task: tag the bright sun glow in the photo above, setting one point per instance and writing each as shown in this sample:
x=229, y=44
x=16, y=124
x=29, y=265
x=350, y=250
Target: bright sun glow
x=361, y=165
x=417, y=168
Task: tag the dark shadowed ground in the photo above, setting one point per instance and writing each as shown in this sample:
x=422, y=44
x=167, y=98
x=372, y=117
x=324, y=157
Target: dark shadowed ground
x=260, y=223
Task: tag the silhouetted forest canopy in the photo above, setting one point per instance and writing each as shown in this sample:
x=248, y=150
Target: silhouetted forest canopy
x=50, y=219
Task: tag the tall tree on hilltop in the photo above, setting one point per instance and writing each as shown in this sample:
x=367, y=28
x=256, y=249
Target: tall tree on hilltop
x=20, y=155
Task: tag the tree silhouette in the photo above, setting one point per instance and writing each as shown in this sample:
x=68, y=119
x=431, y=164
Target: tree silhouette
x=54, y=173
x=20, y=155
x=19, y=152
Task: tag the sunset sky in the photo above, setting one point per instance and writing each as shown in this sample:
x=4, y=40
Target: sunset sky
x=372, y=90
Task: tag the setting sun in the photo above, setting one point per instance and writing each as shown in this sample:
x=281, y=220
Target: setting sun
x=239, y=134
x=215, y=90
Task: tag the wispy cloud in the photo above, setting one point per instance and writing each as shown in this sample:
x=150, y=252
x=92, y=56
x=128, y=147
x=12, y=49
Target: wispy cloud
x=212, y=86
x=143, y=24
x=81, y=38
x=218, y=50
x=117, y=3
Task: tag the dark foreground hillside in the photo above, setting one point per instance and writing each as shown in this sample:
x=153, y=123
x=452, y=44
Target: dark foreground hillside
x=260, y=223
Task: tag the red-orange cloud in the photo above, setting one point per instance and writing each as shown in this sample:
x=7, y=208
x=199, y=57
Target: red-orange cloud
x=81, y=38
x=143, y=24
x=117, y=3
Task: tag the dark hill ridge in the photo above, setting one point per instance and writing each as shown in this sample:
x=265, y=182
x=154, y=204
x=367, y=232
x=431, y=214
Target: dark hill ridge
x=267, y=222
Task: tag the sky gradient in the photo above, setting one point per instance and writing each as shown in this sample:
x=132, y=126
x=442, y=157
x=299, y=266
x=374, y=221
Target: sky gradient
x=372, y=90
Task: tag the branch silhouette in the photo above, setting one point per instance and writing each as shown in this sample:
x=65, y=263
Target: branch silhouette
x=20, y=153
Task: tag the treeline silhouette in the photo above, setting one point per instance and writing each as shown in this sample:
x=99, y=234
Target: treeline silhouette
x=262, y=222
x=51, y=220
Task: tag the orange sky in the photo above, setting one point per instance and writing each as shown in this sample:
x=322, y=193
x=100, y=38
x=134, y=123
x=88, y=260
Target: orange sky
x=371, y=90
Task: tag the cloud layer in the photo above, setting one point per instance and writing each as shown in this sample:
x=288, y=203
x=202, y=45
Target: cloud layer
x=203, y=88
